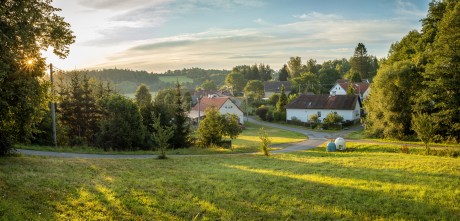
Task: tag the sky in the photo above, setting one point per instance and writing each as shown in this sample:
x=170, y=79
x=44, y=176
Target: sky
x=161, y=35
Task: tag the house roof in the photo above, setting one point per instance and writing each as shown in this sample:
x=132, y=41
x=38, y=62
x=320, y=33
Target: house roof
x=206, y=102
x=275, y=86
x=359, y=87
x=337, y=102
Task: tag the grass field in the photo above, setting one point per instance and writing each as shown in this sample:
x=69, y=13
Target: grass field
x=367, y=183
x=247, y=142
x=173, y=79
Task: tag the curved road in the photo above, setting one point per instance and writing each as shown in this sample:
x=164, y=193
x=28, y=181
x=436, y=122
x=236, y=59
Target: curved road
x=315, y=139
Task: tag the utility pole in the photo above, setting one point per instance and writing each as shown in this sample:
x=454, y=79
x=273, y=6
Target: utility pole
x=53, y=107
x=199, y=110
x=247, y=113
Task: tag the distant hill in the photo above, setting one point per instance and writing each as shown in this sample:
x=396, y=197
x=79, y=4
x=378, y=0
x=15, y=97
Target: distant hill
x=126, y=81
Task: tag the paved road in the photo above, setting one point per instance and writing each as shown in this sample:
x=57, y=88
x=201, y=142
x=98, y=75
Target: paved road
x=315, y=139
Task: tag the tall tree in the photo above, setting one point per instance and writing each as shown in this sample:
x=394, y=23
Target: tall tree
x=442, y=75
x=180, y=122
x=307, y=82
x=265, y=72
x=295, y=67
x=283, y=73
x=209, y=85
x=235, y=81
x=143, y=99
x=390, y=102
x=254, y=89
x=121, y=127
x=360, y=61
x=26, y=28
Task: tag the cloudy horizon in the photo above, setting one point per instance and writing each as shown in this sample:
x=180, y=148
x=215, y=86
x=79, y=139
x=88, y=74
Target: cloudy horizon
x=162, y=35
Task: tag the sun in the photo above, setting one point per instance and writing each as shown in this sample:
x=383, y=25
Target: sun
x=30, y=62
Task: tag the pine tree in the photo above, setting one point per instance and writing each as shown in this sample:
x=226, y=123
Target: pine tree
x=180, y=121
x=360, y=61
x=282, y=100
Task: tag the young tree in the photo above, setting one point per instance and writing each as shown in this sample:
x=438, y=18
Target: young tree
x=424, y=125
x=27, y=28
x=161, y=136
x=210, y=128
x=282, y=100
x=265, y=141
x=231, y=126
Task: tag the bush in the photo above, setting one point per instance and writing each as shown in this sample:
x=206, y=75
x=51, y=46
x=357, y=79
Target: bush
x=270, y=116
x=262, y=112
x=279, y=115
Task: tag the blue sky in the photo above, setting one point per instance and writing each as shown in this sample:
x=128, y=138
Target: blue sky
x=157, y=35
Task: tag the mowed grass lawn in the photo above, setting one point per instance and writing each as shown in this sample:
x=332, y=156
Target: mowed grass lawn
x=248, y=141
x=367, y=183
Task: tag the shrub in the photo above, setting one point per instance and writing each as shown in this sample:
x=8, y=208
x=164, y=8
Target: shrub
x=262, y=112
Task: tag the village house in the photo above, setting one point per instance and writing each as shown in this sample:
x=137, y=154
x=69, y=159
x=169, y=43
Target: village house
x=223, y=104
x=361, y=88
x=274, y=87
x=347, y=106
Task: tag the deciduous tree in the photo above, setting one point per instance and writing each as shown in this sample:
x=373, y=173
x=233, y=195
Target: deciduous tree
x=26, y=28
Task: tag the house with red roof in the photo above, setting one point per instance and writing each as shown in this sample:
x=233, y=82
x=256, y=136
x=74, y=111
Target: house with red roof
x=347, y=106
x=360, y=88
x=223, y=104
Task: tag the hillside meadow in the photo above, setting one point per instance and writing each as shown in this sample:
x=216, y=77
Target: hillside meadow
x=366, y=183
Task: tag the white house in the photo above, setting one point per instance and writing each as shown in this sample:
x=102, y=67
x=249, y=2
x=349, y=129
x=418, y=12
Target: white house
x=274, y=87
x=340, y=88
x=223, y=104
x=347, y=106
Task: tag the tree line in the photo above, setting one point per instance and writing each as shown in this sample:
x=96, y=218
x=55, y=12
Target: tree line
x=419, y=79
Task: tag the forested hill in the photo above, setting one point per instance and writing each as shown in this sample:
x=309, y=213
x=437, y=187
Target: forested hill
x=126, y=81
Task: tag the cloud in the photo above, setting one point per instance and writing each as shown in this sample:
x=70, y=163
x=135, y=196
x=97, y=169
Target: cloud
x=409, y=9
x=317, y=16
x=119, y=4
x=225, y=48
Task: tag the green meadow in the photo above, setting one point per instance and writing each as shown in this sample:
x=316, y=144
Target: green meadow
x=247, y=142
x=367, y=182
